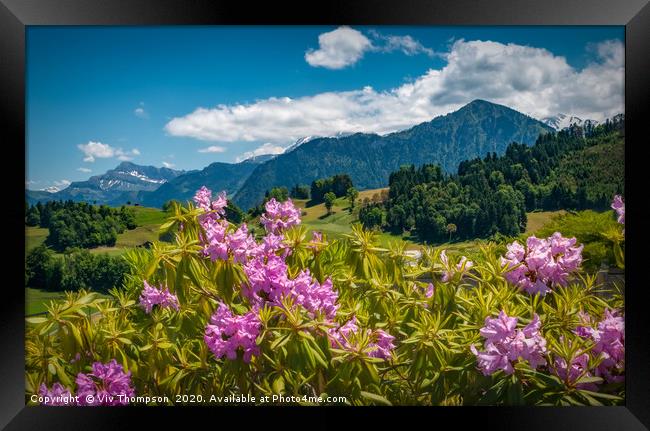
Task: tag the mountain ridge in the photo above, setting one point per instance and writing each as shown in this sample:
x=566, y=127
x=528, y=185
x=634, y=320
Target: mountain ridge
x=473, y=130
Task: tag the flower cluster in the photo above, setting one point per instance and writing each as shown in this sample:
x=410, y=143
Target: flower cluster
x=380, y=345
x=609, y=339
x=107, y=385
x=227, y=333
x=461, y=267
x=203, y=200
x=619, y=206
x=268, y=280
x=505, y=345
x=57, y=396
x=542, y=263
x=151, y=296
x=279, y=216
x=571, y=373
x=314, y=296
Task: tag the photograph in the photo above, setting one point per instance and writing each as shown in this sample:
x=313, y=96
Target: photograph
x=325, y=215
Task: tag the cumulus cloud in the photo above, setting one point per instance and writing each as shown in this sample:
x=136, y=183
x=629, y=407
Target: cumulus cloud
x=168, y=165
x=267, y=148
x=338, y=48
x=345, y=46
x=84, y=170
x=531, y=80
x=212, y=149
x=97, y=150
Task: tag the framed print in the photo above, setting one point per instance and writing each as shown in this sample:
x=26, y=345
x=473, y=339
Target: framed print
x=365, y=209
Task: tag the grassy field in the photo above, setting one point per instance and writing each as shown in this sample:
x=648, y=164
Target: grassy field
x=35, y=300
x=538, y=219
x=147, y=219
x=149, y=216
x=338, y=223
x=34, y=236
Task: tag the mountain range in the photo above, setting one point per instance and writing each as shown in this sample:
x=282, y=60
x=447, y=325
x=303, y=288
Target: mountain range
x=472, y=131
x=115, y=187
x=562, y=121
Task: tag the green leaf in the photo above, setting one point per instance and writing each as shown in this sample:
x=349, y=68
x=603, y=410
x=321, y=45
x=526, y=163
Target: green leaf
x=278, y=385
x=376, y=398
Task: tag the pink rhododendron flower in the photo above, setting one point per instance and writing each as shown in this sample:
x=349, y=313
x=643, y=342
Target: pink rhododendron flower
x=268, y=281
x=214, y=227
x=151, y=296
x=105, y=385
x=570, y=374
x=619, y=206
x=609, y=339
x=241, y=244
x=505, y=345
x=279, y=216
x=461, y=267
x=203, y=198
x=313, y=296
x=543, y=263
x=57, y=396
x=227, y=333
x=380, y=346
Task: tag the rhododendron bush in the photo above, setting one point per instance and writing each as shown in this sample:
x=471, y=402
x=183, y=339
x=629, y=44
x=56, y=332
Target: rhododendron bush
x=275, y=309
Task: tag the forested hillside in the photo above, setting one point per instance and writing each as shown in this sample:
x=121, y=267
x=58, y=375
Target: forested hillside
x=564, y=170
x=475, y=130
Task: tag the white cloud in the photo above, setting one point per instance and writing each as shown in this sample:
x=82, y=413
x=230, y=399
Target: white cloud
x=338, y=48
x=140, y=111
x=405, y=44
x=96, y=150
x=212, y=149
x=267, y=148
x=345, y=46
x=168, y=165
x=84, y=170
x=531, y=80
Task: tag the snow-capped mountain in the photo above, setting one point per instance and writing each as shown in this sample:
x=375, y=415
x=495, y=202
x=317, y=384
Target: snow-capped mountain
x=306, y=139
x=117, y=185
x=562, y=121
x=299, y=142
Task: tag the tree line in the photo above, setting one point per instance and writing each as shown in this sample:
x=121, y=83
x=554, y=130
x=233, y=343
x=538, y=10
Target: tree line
x=77, y=269
x=570, y=169
x=79, y=224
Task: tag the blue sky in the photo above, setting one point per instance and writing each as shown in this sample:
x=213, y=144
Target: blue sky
x=188, y=96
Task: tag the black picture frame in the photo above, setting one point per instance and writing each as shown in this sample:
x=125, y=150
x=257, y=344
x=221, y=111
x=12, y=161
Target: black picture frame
x=15, y=15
